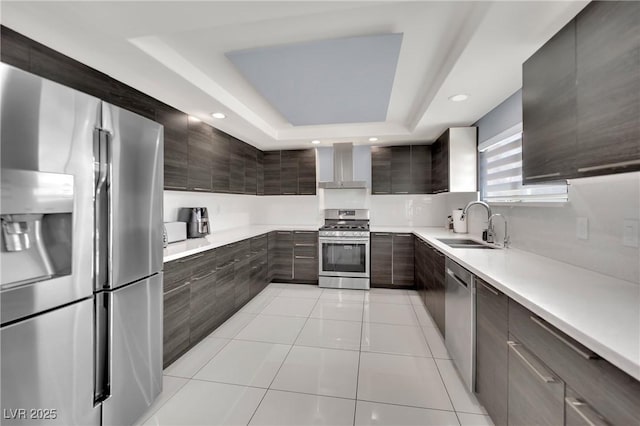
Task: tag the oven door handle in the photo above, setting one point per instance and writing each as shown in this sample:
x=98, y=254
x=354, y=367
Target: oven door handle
x=344, y=240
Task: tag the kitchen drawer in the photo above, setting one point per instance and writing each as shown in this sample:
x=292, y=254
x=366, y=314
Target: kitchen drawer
x=610, y=391
x=577, y=412
x=202, y=263
x=305, y=238
x=225, y=255
x=242, y=250
x=259, y=243
x=176, y=273
x=306, y=252
x=536, y=394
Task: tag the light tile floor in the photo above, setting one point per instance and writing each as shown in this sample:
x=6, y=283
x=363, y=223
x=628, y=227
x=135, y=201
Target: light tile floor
x=300, y=355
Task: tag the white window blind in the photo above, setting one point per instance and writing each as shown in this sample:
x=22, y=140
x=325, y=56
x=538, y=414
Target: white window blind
x=501, y=173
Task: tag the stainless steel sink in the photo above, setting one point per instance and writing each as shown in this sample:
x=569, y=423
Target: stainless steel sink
x=464, y=243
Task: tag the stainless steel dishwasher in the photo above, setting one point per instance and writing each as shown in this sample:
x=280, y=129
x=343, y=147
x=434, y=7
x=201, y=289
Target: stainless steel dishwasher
x=460, y=318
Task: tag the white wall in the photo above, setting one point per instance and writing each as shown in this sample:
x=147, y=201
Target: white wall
x=286, y=210
x=605, y=201
x=226, y=211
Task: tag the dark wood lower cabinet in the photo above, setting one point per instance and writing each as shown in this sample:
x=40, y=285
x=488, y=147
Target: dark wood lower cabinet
x=492, y=333
x=203, y=301
x=392, y=260
x=403, y=260
x=381, y=258
x=283, y=256
x=305, y=256
x=176, y=325
x=536, y=395
x=438, y=289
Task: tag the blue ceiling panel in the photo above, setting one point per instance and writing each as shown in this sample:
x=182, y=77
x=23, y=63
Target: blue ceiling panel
x=345, y=80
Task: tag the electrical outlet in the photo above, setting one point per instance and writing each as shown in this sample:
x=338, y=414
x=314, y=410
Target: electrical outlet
x=630, y=233
x=582, y=228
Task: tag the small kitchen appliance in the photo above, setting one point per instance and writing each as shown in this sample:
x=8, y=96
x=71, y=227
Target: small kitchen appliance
x=344, y=249
x=197, y=220
x=175, y=231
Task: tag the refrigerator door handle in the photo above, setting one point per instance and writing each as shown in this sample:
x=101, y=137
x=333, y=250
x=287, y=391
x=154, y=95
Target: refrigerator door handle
x=101, y=209
x=102, y=347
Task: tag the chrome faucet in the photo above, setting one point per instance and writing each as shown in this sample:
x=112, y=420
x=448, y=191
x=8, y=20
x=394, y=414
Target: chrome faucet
x=506, y=240
x=489, y=231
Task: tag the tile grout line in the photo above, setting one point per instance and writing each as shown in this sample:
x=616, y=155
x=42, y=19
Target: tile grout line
x=283, y=361
x=355, y=405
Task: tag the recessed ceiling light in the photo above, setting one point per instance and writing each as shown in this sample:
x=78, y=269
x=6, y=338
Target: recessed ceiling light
x=315, y=141
x=194, y=119
x=218, y=115
x=373, y=139
x=459, y=98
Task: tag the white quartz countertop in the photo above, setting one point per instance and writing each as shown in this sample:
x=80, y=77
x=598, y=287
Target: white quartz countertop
x=599, y=311
x=220, y=238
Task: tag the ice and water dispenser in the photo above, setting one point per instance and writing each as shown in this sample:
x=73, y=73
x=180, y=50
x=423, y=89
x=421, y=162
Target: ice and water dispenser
x=36, y=216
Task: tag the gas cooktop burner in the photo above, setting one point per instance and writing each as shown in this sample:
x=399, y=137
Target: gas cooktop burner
x=346, y=227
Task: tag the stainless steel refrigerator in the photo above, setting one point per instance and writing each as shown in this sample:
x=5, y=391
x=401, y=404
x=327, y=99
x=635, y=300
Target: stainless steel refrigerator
x=80, y=256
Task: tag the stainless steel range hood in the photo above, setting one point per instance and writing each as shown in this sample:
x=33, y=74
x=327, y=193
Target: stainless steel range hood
x=343, y=169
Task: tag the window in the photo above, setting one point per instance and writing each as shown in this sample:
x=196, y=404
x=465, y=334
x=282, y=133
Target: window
x=500, y=163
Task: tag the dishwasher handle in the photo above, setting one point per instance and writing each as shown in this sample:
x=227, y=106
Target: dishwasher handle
x=458, y=280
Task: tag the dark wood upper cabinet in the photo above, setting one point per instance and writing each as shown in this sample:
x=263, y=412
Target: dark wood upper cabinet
x=307, y=172
x=250, y=170
x=259, y=172
x=272, y=173
x=608, y=88
x=200, y=155
x=289, y=172
x=176, y=143
x=549, y=109
x=221, y=156
x=401, y=169
x=236, y=166
x=581, y=97
x=440, y=164
x=420, y=169
x=380, y=170
x=15, y=48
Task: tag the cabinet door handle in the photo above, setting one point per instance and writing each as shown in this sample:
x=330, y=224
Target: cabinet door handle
x=401, y=192
x=381, y=234
x=307, y=193
x=190, y=258
x=305, y=232
x=403, y=235
x=489, y=289
x=174, y=187
x=305, y=245
x=585, y=412
x=545, y=376
x=289, y=193
x=543, y=176
x=305, y=257
x=585, y=353
x=201, y=189
x=204, y=276
x=609, y=166
x=283, y=232
x=381, y=192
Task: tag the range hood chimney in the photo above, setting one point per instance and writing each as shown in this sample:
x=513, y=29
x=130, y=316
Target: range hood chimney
x=343, y=169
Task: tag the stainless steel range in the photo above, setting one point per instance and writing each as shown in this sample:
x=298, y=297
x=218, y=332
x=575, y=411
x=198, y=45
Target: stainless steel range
x=344, y=249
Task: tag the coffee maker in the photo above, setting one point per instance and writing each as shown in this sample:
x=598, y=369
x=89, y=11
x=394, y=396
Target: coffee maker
x=197, y=220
